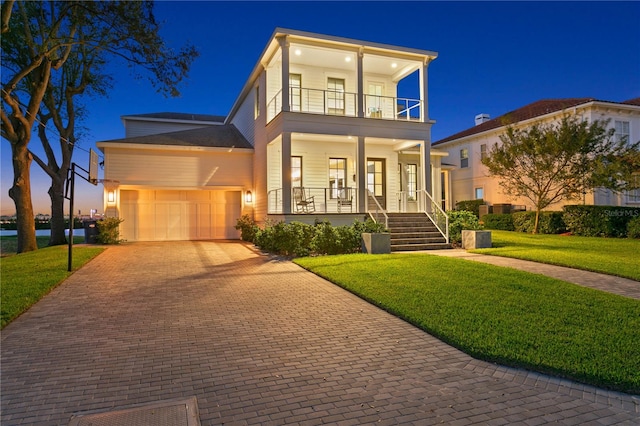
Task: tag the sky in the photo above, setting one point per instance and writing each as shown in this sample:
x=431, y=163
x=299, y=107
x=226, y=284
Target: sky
x=493, y=57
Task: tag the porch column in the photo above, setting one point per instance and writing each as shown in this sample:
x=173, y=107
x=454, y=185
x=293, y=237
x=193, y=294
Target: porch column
x=424, y=90
x=360, y=84
x=284, y=47
x=361, y=172
x=425, y=160
x=286, y=173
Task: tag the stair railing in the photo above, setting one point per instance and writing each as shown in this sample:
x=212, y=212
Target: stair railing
x=379, y=211
x=438, y=216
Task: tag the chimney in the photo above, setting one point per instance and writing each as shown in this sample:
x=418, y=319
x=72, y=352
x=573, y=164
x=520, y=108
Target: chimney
x=482, y=118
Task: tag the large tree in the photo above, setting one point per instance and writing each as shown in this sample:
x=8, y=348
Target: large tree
x=550, y=162
x=54, y=52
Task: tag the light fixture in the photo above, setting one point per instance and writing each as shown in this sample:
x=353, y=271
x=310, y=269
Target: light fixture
x=111, y=196
x=248, y=197
x=298, y=52
x=394, y=65
x=348, y=59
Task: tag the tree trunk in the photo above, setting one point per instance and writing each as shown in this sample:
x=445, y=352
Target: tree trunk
x=537, y=222
x=58, y=226
x=20, y=192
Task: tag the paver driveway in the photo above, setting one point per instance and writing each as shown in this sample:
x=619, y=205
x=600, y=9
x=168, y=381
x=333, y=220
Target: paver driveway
x=257, y=341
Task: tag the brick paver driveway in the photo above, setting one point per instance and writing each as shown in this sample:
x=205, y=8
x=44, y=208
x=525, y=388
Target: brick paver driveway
x=256, y=340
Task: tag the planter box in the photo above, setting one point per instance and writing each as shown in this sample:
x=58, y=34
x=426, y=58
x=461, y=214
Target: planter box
x=378, y=243
x=476, y=239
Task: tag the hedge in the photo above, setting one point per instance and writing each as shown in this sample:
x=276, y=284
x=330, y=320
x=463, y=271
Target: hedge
x=549, y=222
x=470, y=205
x=502, y=222
x=599, y=221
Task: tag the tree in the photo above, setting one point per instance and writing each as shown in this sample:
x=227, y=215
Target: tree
x=548, y=163
x=53, y=52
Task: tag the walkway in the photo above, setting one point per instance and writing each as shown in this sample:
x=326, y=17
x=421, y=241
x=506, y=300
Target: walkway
x=257, y=341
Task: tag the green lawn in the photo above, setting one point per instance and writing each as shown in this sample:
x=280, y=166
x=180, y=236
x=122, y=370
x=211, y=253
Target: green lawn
x=501, y=315
x=613, y=256
x=27, y=277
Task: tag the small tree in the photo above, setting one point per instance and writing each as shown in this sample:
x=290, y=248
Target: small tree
x=548, y=163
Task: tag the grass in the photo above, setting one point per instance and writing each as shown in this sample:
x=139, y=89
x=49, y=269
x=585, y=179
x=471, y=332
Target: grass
x=613, y=256
x=501, y=315
x=28, y=277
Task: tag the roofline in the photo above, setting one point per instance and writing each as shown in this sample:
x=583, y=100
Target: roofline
x=428, y=54
x=584, y=105
x=158, y=147
x=171, y=120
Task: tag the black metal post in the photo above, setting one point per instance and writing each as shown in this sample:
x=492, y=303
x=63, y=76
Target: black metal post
x=73, y=179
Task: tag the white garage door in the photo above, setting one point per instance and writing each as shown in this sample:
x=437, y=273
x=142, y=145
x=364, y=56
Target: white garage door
x=165, y=215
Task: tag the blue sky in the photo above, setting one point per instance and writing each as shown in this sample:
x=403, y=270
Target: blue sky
x=493, y=57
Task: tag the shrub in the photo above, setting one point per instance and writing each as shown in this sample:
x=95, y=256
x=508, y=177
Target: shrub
x=549, y=222
x=459, y=220
x=599, y=221
x=109, y=230
x=248, y=228
x=470, y=205
x=633, y=228
x=502, y=222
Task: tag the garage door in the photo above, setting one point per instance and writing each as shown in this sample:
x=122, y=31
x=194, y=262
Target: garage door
x=165, y=215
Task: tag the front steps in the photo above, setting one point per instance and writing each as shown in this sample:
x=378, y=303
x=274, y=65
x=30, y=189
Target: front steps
x=414, y=232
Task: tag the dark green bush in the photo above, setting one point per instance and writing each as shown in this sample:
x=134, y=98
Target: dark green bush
x=247, y=227
x=502, y=222
x=599, y=221
x=550, y=222
x=470, y=205
x=633, y=228
x=459, y=220
x=109, y=230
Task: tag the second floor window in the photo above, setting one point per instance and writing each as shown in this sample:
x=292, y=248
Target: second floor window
x=296, y=172
x=483, y=151
x=633, y=196
x=295, y=92
x=335, y=96
x=464, y=158
x=622, y=131
x=337, y=175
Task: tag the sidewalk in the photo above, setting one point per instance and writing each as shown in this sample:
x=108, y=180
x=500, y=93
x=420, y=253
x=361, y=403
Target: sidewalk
x=609, y=283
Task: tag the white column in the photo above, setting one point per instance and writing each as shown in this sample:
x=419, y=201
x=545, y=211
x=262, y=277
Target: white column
x=361, y=172
x=284, y=47
x=286, y=172
x=360, y=73
x=425, y=163
x=424, y=90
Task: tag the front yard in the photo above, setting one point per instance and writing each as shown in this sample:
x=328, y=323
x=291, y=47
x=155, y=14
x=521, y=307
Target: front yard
x=502, y=315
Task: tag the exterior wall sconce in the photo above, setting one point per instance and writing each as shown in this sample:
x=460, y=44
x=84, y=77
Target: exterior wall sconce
x=111, y=197
x=248, y=197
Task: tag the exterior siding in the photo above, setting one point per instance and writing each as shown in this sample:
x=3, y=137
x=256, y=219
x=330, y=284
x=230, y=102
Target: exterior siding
x=244, y=120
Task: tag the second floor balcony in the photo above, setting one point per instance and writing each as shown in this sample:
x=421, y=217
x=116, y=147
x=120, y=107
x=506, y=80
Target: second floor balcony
x=341, y=103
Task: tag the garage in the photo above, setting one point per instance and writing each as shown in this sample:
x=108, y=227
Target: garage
x=172, y=215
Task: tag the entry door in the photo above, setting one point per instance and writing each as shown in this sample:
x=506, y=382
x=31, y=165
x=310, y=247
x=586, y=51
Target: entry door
x=376, y=182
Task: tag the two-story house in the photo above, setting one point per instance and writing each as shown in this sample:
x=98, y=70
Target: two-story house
x=324, y=128
x=466, y=178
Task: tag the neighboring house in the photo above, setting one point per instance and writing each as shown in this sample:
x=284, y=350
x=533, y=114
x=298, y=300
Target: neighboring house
x=466, y=177
x=324, y=128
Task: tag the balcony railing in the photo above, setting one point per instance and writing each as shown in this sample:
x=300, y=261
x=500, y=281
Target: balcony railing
x=315, y=201
x=332, y=102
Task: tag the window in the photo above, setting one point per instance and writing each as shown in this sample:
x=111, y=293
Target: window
x=257, y=102
x=374, y=100
x=295, y=92
x=296, y=171
x=483, y=151
x=375, y=177
x=464, y=158
x=479, y=192
x=335, y=96
x=622, y=131
x=633, y=196
x=337, y=175
x=412, y=180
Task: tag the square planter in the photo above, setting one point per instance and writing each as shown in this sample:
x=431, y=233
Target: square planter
x=378, y=243
x=476, y=239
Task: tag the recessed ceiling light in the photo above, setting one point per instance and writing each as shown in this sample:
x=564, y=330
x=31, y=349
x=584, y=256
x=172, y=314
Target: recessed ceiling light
x=298, y=52
x=394, y=65
x=348, y=59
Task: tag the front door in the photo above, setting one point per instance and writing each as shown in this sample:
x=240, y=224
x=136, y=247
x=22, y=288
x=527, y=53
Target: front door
x=376, y=182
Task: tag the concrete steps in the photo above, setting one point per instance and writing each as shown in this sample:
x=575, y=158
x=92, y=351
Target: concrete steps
x=414, y=232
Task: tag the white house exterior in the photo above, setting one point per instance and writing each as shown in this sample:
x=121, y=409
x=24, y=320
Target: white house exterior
x=325, y=127
x=467, y=177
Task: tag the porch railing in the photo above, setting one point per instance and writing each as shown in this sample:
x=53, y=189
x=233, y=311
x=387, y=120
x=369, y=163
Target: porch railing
x=332, y=102
x=439, y=218
x=317, y=201
x=378, y=213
